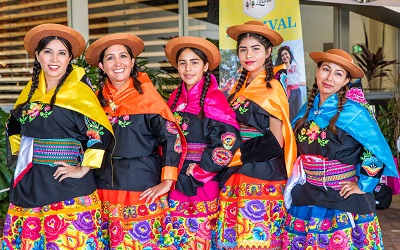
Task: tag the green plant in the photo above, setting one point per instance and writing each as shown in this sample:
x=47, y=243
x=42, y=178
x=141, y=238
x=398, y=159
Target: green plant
x=91, y=71
x=164, y=82
x=5, y=173
x=389, y=119
x=373, y=64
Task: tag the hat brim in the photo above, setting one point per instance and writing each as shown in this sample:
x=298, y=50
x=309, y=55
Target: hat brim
x=273, y=36
x=175, y=44
x=37, y=33
x=94, y=50
x=354, y=70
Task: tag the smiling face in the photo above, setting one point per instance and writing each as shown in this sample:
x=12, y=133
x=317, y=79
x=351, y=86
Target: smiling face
x=330, y=78
x=191, y=68
x=54, y=59
x=285, y=57
x=252, y=55
x=117, y=63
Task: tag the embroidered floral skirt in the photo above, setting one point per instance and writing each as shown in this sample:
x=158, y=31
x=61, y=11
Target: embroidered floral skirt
x=129, y=224
x=251, y=214
x=194, y=218
x=70, y=224
x=313, y=227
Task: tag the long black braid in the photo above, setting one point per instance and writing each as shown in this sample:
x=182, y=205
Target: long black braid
x=342, y=101
x=269, y=66
x=103, y=77
x=310, y=102
x=178, y=93
x=37, y=68
x=207, y=80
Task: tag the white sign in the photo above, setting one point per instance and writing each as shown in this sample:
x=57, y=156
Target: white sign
x=258, y=8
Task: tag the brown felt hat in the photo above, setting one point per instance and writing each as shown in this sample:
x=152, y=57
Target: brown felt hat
x=94, y=50
x=37, y=33
x=177, y=43
x=339, y=57
x=256, y=27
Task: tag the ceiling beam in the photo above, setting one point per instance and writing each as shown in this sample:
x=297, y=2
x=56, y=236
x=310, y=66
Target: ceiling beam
x=379, y=13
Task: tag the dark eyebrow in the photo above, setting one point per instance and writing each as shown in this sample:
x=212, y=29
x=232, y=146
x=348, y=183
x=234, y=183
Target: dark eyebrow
x=194, y=59
x=326, y=65
x=252, y=46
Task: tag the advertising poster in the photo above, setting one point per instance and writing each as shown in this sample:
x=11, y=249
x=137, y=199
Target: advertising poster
x=282, y=16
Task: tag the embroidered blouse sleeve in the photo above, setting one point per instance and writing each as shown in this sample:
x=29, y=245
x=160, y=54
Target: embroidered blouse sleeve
x=97, y=140
x=223, y=140
x=369, y=171
x=170, y=142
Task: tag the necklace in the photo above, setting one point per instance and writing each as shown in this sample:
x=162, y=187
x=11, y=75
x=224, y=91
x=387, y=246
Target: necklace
x=112, y=105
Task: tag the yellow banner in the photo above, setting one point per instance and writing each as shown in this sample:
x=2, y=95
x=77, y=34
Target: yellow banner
x=282, y=16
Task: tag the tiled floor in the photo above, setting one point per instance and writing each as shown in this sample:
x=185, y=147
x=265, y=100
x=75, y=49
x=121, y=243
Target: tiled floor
x=389, y=220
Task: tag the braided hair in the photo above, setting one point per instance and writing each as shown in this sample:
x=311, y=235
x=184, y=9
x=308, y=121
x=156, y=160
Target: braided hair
x=103, y=77
x=37, y=68
x=207, y=80
x=268, y=65
x=342, y=101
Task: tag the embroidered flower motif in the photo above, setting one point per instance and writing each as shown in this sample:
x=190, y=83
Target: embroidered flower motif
x=94, y=131
x=141, y=231
x=125, y=121
x=180, y=107
x=298, y=242
x=254, y=189
x=171, y=127
x=313, y=134
x=35, y=109
x=113, y=119
x=243, y=109
x=221, y=156
x=323, y=240
x=260, y=234
x=183, y=122
x=236, y=104
x=178, y=144
x=116, y=233
x=84, y=223
x=230, y=235
x=31, y=228
x=231, y=214
x=371, y=164
x=192, y=224
x=338, y=240
x=53, y=227
x=326, y=225
x=228, y=140
x=52, y=246
x=356, y=95
x=358, y=236
x=46, y=111
x=254, y=210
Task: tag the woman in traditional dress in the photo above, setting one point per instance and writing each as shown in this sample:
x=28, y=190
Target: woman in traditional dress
x=148, y=153
x=59, y=132
x=252, y=213
x=212, y=136
x=342, y=155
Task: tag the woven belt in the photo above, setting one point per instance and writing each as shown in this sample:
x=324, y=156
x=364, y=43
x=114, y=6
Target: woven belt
x=48, y=151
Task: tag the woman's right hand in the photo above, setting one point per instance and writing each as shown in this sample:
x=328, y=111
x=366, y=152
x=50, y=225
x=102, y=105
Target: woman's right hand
x=154, y=192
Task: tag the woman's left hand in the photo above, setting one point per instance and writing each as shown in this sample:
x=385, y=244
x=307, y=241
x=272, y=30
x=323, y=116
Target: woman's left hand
x=68, y=171
x=349, y=188
x=154, y=192
x=189, y=170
